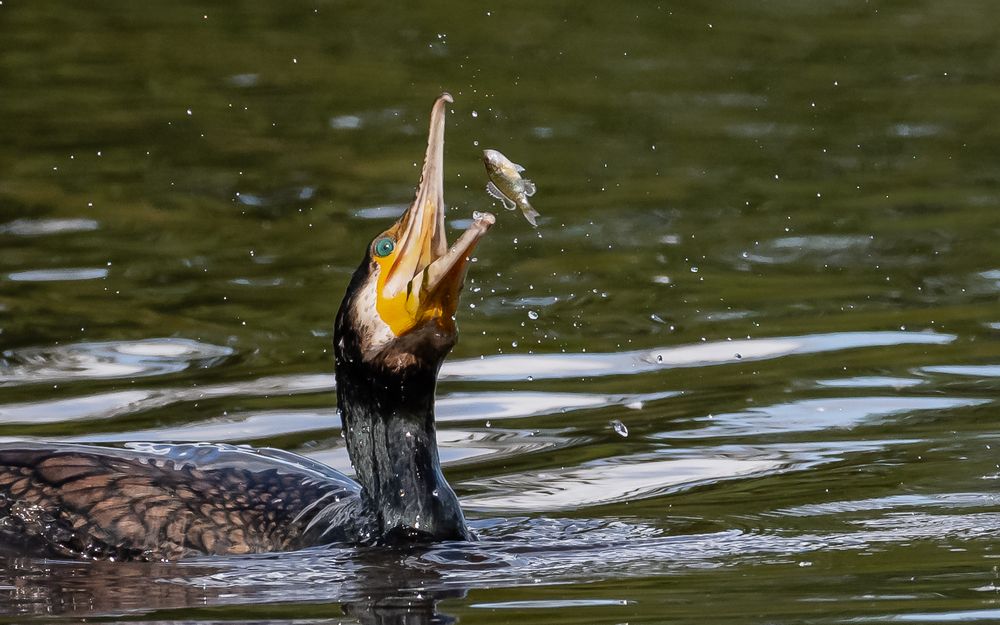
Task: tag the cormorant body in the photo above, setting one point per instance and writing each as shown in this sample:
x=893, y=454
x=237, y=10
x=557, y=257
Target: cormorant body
x=158, y=501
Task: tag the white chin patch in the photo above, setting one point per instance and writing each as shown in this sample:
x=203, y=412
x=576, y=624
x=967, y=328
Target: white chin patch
x=375, y=334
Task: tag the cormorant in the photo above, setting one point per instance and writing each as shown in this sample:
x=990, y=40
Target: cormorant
x=150, y=501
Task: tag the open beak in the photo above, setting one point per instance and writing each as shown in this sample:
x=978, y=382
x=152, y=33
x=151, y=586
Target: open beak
x=426, y=271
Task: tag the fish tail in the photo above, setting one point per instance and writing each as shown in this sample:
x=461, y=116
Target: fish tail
x=530, y=213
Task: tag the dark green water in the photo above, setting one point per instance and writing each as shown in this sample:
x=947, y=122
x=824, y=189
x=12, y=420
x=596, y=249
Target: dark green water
x=769, y=248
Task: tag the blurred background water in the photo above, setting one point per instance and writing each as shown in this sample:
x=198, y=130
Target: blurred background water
x=746, y=369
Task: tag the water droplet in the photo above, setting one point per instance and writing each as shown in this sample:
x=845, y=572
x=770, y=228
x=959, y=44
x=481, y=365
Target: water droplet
x=488, y=424
x=532, y=315
x=739, y=355
x=619, y=428
x=659, y=358
x=475, y=113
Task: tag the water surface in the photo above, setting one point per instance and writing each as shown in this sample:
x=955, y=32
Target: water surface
x=746, y=369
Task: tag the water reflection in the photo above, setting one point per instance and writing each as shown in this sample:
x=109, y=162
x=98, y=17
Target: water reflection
x=628, y=479
x=546, y=366
x=379, y=586
x=977, y=371
x=830, y=250
x=369, y=594
x=871, y=382
x=89, y=407
x=39, y=227
x=162, y=356
x=388, y=211
x=119, y=359
x=955, y=502
x=954, y=616
x=816, y=414
x=823, y=197
x=231, y=428
x=58, y=275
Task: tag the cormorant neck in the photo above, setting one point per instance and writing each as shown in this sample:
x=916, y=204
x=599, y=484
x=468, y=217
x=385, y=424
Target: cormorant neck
x=388, y=421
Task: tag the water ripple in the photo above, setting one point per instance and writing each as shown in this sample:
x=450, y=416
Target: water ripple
x=605, y=482
x=557, y=550
x=834, y=250
x=384, y=211
x=38, y=227
x=977, y=371
x=509, y=367
x=815, y=414
x=119, y=359
x=894, y=502
x=59, y=275
x=871, y=382
x=88, y=407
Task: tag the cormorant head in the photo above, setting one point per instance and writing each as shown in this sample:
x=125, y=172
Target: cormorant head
x=399, y=310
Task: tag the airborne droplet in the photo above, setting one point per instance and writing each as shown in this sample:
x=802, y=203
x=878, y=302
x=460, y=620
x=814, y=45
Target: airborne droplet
x=619, y=428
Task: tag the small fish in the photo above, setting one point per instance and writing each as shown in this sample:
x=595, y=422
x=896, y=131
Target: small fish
x=507, y=185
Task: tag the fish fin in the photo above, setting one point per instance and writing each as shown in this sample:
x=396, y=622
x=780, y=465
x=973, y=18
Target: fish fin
x=530, y=214
x=495, y=191
x=529, y=187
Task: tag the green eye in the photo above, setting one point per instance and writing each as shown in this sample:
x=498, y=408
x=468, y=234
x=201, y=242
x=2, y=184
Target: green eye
x=384, y=247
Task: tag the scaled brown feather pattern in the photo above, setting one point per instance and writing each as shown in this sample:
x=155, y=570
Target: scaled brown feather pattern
x=71, y=503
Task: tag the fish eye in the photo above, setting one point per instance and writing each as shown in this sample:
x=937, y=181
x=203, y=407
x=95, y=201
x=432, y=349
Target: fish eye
x=384, y=247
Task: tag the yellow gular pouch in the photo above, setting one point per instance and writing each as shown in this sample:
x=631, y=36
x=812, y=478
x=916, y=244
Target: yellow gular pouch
x=403, y=311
